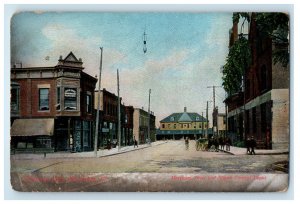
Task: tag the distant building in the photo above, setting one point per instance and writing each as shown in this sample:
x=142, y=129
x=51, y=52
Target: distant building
x=127, y=126
x=181, y=125
x=108, y=120
x=220, y=122
x=51, y=107
x=140, y=125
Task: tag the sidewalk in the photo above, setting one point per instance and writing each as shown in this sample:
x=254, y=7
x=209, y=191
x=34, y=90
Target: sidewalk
x=100, y=153
x=242, y=151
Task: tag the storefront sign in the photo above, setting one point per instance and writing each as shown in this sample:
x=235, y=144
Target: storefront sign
x=70, y=93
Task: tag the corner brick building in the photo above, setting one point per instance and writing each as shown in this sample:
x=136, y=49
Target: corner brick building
x=52, y=107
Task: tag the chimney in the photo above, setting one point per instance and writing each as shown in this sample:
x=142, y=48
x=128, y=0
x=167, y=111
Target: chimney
x=184, y=109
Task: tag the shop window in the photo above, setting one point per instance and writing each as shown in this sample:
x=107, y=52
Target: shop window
x=43, y=99
x=70, y=99
x=15, y=99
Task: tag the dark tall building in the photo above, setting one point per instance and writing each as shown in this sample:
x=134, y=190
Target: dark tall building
x=264, y=112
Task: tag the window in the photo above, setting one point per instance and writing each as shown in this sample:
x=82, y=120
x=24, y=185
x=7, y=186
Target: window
x=88, y=103
x=263, y=78
x=70, y=99
x=43, y=99
x=58, y=98
x=174, y=126
x=197, y=118
x=200, y=126
x=163, y=125
x=172, y=118
x=254, y=120
x=14, y=101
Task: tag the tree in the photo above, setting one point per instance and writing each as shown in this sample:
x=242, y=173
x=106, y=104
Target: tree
x=237, y=61
x=269, y=25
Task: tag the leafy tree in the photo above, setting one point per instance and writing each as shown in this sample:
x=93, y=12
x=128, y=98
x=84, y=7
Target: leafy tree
x=269, y=25
x=237, y=61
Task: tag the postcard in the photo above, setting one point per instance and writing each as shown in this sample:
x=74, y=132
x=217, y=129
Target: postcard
x=150, y=101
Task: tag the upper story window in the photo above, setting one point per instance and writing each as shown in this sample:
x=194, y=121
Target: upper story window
x=163, y=125
x=88, y=103
x=197, y=118
x=172, y=119
x=57, y=98
x=44, y=99
x=15, y=98
x=70, y=99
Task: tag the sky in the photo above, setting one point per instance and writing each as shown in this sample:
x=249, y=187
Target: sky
x=185, y=53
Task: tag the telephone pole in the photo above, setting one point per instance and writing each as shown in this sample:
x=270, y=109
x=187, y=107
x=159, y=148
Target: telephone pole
x=119, y=114
x=98, y=107
x=215, y=120
x=149, y=139
x=202, y=124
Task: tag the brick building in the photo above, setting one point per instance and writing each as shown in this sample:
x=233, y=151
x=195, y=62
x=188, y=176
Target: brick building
x=266, y=96
x=51, y=107
x=141, y=124
x=108, y=121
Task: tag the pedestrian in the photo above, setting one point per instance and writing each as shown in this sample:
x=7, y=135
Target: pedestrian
x=227, y=143
x=248, y=144
x=108, y=144
x=186, y=143
x=222, y=142
x=252, y=145
x=135, y=143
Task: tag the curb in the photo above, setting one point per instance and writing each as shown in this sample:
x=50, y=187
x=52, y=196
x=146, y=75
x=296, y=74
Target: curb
x=266, y=153
x=129, y=151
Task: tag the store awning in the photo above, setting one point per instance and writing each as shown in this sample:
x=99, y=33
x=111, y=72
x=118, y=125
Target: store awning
x=32, y=127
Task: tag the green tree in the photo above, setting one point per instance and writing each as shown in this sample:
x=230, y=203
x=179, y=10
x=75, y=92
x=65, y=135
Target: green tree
x=238, y=60
x=269, y=25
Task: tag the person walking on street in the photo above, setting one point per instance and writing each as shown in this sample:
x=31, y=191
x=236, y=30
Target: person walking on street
x=135, y=143
x=227, y=143
x=186, y=143
x=247, y=143
x=252, y=145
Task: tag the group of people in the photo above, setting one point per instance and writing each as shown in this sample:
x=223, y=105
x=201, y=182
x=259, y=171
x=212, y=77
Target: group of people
x=250, y=145
x=221, y=142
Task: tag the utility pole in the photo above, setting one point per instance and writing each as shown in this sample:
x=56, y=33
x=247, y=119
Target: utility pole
x=215, y=120
x=207, y=120
x=119, y=114
x=202, y=124
x=149, y=140
x=98, y=107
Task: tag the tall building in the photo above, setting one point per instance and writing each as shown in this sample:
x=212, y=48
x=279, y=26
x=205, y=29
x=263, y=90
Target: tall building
x=183, y=124
x=262, y=108
x=51, y=107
